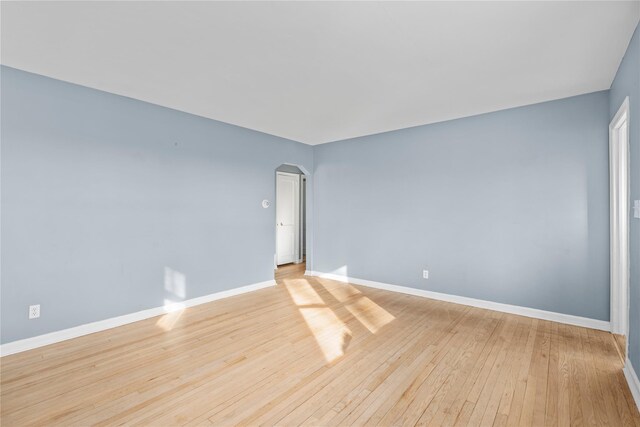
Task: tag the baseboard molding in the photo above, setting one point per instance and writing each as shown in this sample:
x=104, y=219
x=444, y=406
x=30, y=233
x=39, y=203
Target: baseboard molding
x=101, y=325
x=490, y=305
x=632, y=380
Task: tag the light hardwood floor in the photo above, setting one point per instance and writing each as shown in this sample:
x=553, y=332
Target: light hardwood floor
x=318, y=352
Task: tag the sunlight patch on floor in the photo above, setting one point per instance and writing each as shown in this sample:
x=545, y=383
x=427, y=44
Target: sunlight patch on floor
x=302, y=292
x=174, y=311
x=341, y=291
x=331, y=334
x=370, y=314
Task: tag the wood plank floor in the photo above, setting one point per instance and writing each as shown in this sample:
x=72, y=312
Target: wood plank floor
x=317, y=352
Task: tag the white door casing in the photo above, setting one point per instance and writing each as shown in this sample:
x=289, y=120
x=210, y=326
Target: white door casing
x=619, y=205
x=287, y=217
x=303, y=217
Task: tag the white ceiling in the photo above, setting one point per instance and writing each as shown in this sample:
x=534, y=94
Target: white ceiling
x=317, y=72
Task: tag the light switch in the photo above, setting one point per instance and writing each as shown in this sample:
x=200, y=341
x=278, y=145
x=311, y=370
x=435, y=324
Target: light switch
x=636, y=208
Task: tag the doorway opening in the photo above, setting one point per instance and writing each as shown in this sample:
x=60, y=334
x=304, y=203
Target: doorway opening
x=291, y=221
x=619, y=214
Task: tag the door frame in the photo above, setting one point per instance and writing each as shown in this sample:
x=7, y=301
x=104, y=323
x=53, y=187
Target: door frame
x=619, y=220
x=303, y=218
x=297, y=221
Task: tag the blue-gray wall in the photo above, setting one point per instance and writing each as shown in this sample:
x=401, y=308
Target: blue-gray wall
x=627, y=83
x=511, y=206
x=101, y=193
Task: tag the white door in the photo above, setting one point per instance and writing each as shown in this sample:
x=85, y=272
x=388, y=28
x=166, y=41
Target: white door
x=287, y=217
x=619, y=181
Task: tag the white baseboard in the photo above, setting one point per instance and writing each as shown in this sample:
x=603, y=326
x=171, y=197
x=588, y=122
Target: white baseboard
x=490, y=305
x=101, y=325
x=632, y=380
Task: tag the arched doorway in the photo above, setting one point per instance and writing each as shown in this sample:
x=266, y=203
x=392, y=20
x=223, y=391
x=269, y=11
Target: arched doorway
x=291, y=220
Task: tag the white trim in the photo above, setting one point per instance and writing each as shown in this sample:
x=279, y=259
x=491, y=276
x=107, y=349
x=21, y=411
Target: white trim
x=619, y=214
x=302, y=204
x=632, y=380
x=101, y=325
x=490, y=305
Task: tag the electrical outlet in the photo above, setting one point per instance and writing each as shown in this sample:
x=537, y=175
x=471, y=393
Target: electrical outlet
x=425, y=274
x=34, y=311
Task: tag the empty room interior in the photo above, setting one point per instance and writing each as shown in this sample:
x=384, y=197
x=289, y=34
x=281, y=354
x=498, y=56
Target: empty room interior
x=320, y=213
